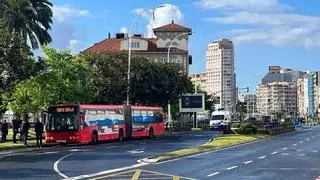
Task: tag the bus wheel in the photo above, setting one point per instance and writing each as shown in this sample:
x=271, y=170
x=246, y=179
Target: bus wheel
x=121, y=138
x=94, y=139
x=151, y=135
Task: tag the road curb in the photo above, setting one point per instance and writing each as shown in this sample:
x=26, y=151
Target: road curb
x=154, y=159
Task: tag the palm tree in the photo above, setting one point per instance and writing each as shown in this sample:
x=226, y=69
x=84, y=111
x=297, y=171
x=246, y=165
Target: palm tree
x=31, y=19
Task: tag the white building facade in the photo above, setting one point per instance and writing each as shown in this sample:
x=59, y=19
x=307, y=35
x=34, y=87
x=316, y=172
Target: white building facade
x=200, y=81
x=221, y=78
x=308, y=97
x=277, y=97
x=155, y=49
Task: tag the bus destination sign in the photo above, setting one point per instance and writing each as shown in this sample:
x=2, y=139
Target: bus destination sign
x=65, y=109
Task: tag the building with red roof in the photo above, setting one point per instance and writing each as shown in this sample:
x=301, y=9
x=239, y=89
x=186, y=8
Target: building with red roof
x=155, y=49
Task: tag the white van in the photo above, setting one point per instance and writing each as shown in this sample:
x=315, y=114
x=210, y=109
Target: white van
x=220, y=119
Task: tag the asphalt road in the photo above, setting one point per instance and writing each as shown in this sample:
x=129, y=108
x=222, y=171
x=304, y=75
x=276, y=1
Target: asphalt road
x=291, y=156
x=62, y=162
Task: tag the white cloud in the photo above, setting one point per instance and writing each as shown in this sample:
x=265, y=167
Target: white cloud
x=75, y=46
x=265, y=24
x=65, y=12
x=161, y=16
x=64, y=34
x=248, y=5
x=124, y=30
x=280, y=36
x=276, y=19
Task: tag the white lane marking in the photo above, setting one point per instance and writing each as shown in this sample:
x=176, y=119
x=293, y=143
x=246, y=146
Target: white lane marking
x=298, y=150
x=262, y=157
x=274, y=152
x=108, y=171
x=285, y=154
x=301, y=142
x=213, y=174
x=307, y=139
x=301, y=154
x=229, y=168
x=8, y=155
x=143, y=164
x=248, y=162
x=110, y=147
x=315, y=151
x=294, y=144
x=50, y=152
x=56, y=168
x=136, y=151
x=284, y=148
x=74, y=150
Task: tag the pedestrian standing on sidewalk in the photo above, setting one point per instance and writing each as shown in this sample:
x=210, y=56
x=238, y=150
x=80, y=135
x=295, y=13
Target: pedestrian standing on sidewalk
x=25, y=129
x=4, y=131
x=15, y=129
x=38, y=128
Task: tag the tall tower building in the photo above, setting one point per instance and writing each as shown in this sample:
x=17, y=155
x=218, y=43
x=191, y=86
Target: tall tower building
x=221, y=78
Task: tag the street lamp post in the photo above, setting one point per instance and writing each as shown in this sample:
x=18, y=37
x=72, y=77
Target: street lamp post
x=129, y=53
x=168, y=60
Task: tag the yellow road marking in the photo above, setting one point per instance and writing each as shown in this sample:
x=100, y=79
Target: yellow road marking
x=136, y=175
x=175, y=178
x=111, y=175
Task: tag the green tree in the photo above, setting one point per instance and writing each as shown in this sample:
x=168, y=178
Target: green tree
x=151, y=83
x=30, y=19
x=16, y=63
x=64, y=80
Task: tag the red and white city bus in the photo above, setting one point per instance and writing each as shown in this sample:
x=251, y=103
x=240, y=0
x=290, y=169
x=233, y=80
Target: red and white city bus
x=84, y=123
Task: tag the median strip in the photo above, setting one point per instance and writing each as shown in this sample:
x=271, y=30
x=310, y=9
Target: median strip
x=223, y=141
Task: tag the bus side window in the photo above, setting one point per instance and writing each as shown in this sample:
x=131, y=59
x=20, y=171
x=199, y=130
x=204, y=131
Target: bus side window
x=82, y=120
x=159, y=117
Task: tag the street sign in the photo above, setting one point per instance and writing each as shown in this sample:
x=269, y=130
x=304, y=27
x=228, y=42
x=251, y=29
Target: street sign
x=192, y=103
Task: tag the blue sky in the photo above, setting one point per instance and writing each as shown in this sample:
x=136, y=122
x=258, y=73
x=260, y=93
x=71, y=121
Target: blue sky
x=265, y=32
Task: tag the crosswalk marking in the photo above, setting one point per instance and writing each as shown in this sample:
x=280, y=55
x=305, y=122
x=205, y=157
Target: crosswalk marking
x=175, y=178
x=136, y=175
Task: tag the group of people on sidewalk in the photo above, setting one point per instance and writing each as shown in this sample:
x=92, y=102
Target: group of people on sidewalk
x=21, y=127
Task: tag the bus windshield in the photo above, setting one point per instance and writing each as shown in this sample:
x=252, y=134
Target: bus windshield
x=63, y=121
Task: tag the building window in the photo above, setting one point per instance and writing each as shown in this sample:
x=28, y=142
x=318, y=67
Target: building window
x=176, y=59
x=135, y=44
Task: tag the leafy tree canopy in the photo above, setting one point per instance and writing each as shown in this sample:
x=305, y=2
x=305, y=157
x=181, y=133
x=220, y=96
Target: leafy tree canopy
x=151, y=83
x=29, y=19
x=64, y=80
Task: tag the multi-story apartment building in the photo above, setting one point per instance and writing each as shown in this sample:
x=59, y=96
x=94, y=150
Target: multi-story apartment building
x=316, y=86
x=199, y=80
x=302, y=98
x=221, y=78
x=155, y=49
x=250, y=101
x=277, y=97
x=308, y=94
x=278, y=91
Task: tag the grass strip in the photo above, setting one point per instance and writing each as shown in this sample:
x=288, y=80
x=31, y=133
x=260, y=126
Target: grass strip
x=220, y=142
x=9, y=145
